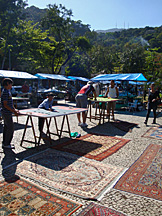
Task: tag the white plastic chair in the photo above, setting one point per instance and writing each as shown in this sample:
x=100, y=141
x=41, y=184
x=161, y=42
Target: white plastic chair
x=133, y=106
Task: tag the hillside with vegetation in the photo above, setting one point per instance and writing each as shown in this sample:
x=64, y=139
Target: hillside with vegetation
x=46, y=40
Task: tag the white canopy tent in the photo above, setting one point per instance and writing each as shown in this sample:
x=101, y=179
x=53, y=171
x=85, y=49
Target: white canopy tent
x=16, y=74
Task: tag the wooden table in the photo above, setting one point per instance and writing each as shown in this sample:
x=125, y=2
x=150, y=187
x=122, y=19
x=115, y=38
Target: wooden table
x=63, y=111
x=159, y=108
x=100, y=107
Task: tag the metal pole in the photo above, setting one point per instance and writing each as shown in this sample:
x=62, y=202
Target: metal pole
x=9, y=59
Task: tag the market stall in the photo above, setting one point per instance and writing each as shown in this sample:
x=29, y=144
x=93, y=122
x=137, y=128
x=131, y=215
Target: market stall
x=52, y=83
x=126, y=81
x=22, y=99
x=74, y=86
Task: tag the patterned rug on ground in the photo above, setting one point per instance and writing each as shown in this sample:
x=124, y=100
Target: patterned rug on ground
x=70, y=173
x=123, y=125
x=25, y=198
x=97, y=210
x=93, y=146
x=144, y=176
x=154, y=132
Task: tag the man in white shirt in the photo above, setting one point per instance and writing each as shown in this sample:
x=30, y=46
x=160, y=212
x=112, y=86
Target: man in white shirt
x=112, y=92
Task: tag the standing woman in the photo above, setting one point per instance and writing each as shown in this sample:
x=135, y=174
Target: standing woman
x=152, y=103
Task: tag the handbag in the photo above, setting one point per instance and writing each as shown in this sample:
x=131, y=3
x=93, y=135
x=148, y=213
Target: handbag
x=158, y=101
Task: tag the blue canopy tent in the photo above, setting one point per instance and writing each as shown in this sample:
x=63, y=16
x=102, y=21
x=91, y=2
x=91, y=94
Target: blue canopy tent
x=78, y=78
x=16, y=74
x=51, y=76
x=136, y=83
x=136, y=77
x=123, y=77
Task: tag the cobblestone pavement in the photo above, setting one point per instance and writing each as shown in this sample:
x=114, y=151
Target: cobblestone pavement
x=128, y=203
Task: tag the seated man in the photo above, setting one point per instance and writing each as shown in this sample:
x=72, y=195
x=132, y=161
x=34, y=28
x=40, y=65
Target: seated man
x=47, y=105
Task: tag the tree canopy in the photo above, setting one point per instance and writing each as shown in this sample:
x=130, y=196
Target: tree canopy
x=45, y=40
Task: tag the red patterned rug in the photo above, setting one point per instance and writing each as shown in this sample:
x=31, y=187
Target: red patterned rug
x=93, y=146
x=144, y=176
x=97, y=210
x=154, y=132
x=25, y=198
x=70, y=173
x=124, y=125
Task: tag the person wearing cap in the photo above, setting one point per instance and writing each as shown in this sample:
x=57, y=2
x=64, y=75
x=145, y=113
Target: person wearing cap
x=112, y=92
x=82, y=102
x=152, y=103
x=47, y=105
x=7, y=110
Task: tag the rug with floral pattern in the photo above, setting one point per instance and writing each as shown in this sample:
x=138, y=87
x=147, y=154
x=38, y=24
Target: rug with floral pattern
x=154, y=132
x=93, y=146
x=94, y=209
x=144, y=177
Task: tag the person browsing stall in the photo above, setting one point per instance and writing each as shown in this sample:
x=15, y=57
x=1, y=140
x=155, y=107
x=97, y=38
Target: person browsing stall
x=25, y=88
x=47, y=105
x=7, y=110
x=82, y=102
x=112, y=92
x=152, y=103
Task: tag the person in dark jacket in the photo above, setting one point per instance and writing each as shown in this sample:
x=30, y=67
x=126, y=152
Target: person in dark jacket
x=152, y=103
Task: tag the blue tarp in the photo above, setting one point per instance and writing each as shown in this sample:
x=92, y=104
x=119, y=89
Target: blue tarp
x=136, y=83
x=51, y=76
x=16, y=74
x=129, y=77
x=78, y=78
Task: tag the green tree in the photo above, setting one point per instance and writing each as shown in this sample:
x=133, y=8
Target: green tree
x=102, y=59
x=31, y=47
x=58, y=21
x=133, y=59
x=154, y=65
x=10, y=12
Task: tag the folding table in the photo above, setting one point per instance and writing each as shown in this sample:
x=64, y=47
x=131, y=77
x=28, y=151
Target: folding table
x=100, y=105
x=58, y=111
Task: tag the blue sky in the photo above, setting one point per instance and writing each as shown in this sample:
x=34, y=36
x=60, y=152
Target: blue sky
x=107, y=14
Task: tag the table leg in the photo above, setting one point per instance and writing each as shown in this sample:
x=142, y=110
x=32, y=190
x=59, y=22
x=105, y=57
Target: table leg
x=48, y=130
x=103, y=112
x=100, y=112
x=90, y=110
x=96, y=105
x=24, y=131
x=62, y=126
x=68, y=125
x=33, y=130
x=56, y=126
x=48, y=126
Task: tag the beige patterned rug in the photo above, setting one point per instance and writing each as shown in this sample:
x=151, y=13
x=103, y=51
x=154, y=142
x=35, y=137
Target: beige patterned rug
x=67, y=172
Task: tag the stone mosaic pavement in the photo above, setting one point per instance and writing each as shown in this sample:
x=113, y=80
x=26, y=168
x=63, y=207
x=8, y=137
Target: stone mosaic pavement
x=129, y=204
